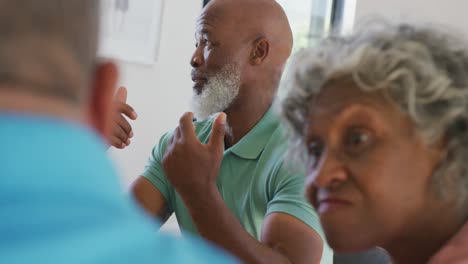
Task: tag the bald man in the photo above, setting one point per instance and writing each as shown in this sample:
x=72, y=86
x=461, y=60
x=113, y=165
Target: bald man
x=224, y=176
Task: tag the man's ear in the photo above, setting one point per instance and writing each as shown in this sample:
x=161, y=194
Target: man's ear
x=101, y=98
x=260, y=51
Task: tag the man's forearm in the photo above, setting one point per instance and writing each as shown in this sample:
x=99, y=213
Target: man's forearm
x=216, y=223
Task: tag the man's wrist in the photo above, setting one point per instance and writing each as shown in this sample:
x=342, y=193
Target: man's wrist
x=201, y=198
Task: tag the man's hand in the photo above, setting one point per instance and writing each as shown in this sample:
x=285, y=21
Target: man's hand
x=121, y=128
x=191, y=166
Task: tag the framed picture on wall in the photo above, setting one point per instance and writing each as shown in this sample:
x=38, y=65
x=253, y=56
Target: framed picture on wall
x=130, y=30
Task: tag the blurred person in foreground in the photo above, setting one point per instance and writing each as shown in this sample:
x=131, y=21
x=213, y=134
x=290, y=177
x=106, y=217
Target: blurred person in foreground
x=60, y=199
x=381, y=117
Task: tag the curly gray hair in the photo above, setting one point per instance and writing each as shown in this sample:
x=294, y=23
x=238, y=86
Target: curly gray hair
x=423, y=69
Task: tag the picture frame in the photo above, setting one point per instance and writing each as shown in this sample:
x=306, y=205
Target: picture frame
x=130, y=30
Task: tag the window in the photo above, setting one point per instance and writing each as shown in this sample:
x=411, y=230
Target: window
x=311, y=20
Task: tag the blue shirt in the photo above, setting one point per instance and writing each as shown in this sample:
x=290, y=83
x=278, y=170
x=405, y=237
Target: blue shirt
x=61, y=202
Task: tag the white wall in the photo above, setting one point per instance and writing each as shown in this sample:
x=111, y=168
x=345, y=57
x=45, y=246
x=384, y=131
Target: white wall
x=160, y=94
x=445, y=12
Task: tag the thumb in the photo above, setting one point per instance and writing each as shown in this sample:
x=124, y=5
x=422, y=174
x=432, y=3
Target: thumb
x=121, y=94
x=217, y=132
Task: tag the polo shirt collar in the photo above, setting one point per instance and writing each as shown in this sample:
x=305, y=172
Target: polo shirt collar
x=253, y=143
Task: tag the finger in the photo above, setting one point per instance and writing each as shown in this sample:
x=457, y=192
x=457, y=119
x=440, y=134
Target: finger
x=171, y=141
x=187, y=129
x=116, y=142
x=121, y=94
x=167, y=152
x=177, y=134
x=120, y=134
x=216, y=140
x=125, y=125
x=127, y=110
x=174, y=139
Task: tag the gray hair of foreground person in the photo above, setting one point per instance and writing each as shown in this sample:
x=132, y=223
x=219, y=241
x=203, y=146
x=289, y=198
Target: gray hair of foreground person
x=48, y=47
x=421, y=68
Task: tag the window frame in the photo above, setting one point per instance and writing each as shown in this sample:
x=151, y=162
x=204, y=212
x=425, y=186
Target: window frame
x=340, y=17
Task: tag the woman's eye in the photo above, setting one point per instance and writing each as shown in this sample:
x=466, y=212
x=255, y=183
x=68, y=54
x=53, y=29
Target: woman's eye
x=357, y=140
x=314, y=153
x=315, y=150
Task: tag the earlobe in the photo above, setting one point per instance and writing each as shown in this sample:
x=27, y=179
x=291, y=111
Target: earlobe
x=440, y=150
x=101, y=98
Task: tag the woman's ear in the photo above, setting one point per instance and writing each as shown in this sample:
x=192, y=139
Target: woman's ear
x=260, y=51
x=439, y=150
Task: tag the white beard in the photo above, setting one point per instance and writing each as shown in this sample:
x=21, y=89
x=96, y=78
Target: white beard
x=218, y=93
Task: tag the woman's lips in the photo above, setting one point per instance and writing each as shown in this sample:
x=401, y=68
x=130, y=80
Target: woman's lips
x=326, y=205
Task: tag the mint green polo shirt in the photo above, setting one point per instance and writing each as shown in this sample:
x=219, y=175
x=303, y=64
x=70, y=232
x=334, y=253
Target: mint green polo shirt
x=253, y=180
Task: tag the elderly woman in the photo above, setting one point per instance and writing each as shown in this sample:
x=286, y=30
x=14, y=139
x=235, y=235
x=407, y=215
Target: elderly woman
x=382, y=119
